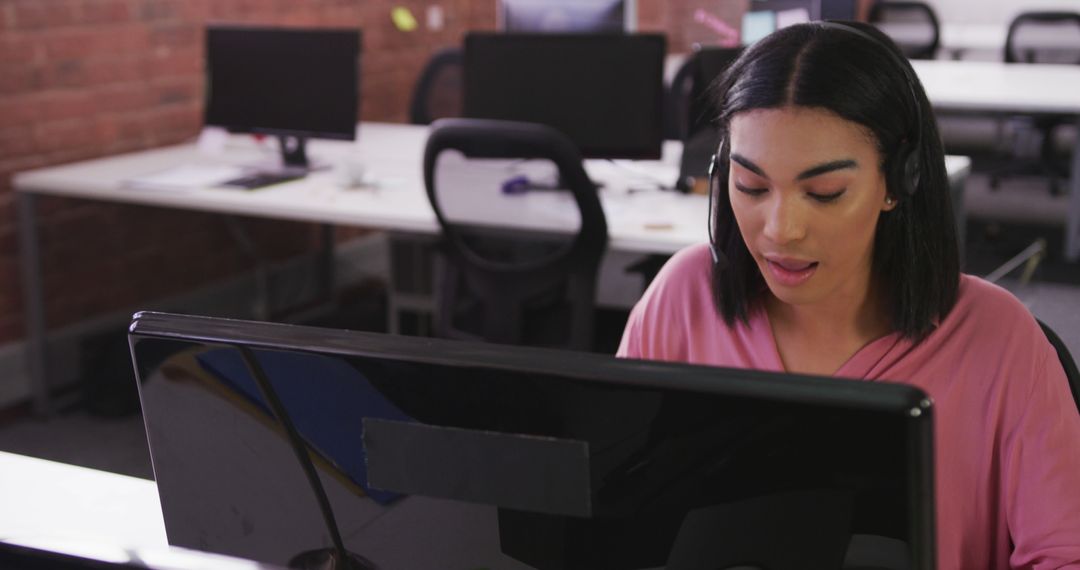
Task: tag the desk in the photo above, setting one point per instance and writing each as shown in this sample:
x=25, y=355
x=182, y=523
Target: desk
x=45, y=499
x=957, y=38
x=1002, y=88
x=646, y=222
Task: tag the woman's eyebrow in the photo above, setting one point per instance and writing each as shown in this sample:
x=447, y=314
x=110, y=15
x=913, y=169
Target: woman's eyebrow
x=826, y=168
x=747, y=164
x=818, y=170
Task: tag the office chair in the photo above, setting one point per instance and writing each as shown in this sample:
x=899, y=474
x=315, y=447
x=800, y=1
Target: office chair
x=1067, y=362
x=694, y=111
x=690, y=107
x=1041, y=37
x=438, y=91
x=912, y=25
x=500, y=282
x=691, y=119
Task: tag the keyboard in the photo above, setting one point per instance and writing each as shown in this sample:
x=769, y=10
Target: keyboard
x=261, y=179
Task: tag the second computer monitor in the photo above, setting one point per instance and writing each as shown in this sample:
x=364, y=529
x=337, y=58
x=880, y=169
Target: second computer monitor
x=294, y=83
x=567, y=15
x=604, y=91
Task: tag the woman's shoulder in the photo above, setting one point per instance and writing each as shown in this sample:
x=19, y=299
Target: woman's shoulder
x=682, y=287
x=981, y=299
x=994, y=314
x=686, y=275
x=694, y=259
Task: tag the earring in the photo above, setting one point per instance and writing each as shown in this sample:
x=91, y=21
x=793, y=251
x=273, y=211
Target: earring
x=889, y=201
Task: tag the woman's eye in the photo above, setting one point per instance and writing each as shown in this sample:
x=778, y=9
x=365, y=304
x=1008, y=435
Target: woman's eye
x=826, y=198
x=750, y=191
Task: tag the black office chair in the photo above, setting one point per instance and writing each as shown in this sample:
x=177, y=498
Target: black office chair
x=690, y=118
x=694, y=111
x=1041, y=37
x=912, y=25
x=690, y=107
x=439, y=90
x=1067, y=362
x=501, y=283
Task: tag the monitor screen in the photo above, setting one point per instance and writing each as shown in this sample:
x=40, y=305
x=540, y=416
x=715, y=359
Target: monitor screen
x=837, y=9
x=567, y=15
x=295, y=82
x=604, y=91
x=440, y=454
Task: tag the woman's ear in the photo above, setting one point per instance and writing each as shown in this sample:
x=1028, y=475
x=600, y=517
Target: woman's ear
x=890, y=203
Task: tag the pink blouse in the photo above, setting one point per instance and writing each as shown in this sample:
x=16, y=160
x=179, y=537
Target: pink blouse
x=1007, y=432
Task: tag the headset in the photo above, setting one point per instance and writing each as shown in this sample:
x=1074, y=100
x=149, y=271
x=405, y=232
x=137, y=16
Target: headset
x=905, y=171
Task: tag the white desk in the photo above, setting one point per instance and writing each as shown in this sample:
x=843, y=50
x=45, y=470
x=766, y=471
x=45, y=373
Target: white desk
x=957, y=38
x=1000, y=88
x=48, y=500
x=647, y=222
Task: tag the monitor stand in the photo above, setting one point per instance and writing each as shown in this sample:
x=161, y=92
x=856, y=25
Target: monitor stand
x=293, y=158
x=294, y=164
x=294, y=152
x=329, y=559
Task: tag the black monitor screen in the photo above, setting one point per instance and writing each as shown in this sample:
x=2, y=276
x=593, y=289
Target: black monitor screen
x=283, y=81
x=604, y=91
x=565, y=15
x=837, y=9
x=438, y=454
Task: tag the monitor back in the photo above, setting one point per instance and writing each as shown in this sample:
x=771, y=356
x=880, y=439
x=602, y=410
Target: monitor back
x=282, y=81
x=593, y=16
x=437, y=454
x=604, y=91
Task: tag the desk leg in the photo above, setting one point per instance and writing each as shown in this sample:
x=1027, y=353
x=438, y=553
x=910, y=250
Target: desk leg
x=1072, y=219
x=33, y=303
x=327, y=269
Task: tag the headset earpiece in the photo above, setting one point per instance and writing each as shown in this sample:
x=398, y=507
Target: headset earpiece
x=906, y=169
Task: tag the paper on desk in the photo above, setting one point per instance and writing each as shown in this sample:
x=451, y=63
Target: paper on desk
x=185, y=177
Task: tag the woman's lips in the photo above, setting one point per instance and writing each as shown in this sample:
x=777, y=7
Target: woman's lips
x=789, y=272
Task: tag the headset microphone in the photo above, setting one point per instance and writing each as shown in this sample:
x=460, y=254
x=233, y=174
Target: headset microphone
x=718, y=257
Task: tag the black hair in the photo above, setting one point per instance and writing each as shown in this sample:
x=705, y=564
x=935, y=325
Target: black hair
x=915, y=255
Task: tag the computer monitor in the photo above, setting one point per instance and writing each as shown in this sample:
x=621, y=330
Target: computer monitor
x=292, y=83
x=837, y=9
x=53, y=553
x=440, y=454
x=604, y=91
x=591, y=16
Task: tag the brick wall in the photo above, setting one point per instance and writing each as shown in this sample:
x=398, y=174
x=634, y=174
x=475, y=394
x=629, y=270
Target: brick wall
x=86, y=78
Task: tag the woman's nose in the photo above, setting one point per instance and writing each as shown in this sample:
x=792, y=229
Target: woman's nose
x=785, y=220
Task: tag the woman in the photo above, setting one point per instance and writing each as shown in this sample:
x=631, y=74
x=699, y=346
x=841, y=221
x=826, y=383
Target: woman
x=835, y=254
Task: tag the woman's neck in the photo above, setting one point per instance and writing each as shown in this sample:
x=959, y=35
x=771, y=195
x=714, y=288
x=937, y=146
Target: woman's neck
x=821, y=337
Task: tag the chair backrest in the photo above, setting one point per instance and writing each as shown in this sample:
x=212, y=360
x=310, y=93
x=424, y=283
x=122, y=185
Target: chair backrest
x=914, y=26
x=510, y=277
x=1067, y=362
x=439, y=90
x=692, y=106
x=695, y=111
x=1044, y=37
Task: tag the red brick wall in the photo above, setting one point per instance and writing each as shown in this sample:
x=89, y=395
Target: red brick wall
x=88, y=78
